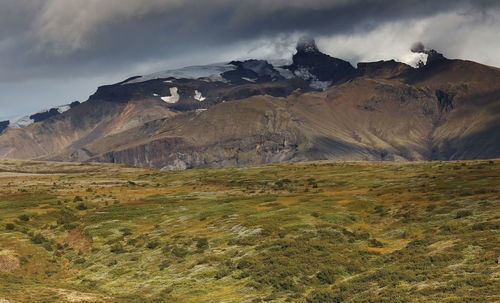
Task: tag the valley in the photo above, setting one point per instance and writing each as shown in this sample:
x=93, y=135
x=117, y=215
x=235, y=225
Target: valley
x=305, y=232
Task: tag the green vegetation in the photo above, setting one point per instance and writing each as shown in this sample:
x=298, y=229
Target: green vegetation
x=311, y=232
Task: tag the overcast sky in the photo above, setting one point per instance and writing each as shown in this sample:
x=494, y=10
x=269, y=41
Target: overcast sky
x=54, y=52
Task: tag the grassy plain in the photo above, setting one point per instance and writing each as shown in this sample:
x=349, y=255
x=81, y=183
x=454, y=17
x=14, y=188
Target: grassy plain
x=308, y=232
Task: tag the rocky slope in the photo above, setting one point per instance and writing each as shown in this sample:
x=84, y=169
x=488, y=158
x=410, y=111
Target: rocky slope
x=248, y=112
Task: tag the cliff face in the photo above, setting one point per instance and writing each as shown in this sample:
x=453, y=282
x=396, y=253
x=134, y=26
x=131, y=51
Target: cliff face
x=251, y=112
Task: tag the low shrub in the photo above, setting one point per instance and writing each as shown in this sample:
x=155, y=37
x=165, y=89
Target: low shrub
x=38, y=238
x=179, y=252
x=463, y=214
x=117, y=249
x=164, y=264
x=376, y=243
x=81, y=206
x=326, y=276
x=202, y=243
x=224, y=271
x=152, y=244
x=323, y=296
x=24, y=218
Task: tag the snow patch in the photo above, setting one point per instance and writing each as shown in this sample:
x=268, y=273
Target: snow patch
x=198, y=96
x=279, y=65
x=63, y=108
x=413, y=59
x=323, y=85
x=281, y=62
x=305, y=74
x=212, y=72
x=156, y=95
x=21, y=122
x=285, y=73
x=260, y=67
x=174, y=96
x=249, y=79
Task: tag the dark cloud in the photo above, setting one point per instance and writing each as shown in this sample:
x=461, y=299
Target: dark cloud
x=417, y=47
x=95, y=39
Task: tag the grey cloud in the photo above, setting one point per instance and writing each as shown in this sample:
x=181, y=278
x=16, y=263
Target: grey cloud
x=15, y=16
x=417, y=47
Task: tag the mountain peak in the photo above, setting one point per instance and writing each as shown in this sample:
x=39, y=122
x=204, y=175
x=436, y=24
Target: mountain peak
x=432, y=54
x=319, y=69
x=307, y=45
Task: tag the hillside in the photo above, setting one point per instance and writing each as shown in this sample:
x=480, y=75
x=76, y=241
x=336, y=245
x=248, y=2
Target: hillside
x=304, y=232
x=257, y=112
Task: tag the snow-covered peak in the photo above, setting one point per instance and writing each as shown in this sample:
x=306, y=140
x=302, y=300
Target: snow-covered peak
x=211, y=72
x=32, y=118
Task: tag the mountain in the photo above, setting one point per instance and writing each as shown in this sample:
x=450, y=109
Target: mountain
x=250, y=112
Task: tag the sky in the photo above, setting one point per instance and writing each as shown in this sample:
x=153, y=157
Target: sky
x=53, y=52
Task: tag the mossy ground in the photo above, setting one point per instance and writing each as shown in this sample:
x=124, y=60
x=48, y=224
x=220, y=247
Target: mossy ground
x=310, y=232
